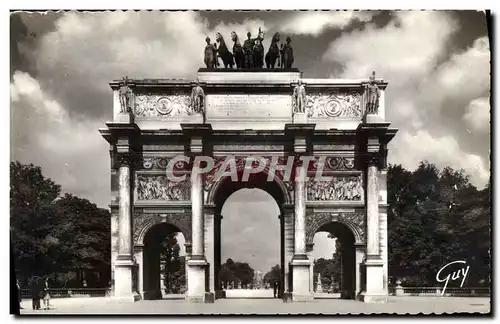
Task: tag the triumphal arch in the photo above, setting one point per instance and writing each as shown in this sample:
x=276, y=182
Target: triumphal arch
x=294, y=125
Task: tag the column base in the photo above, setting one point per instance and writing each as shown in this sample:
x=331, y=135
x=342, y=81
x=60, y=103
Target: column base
x=196, y=277
x=301, y=280
x=302, y=298
x=374, y=292
x=287, y=297
x=123, y=287
x=127, y=298
x=207, y=298
x=373, y=298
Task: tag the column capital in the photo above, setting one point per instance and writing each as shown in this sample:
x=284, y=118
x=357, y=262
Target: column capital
x=124, y=159
x=373, y=160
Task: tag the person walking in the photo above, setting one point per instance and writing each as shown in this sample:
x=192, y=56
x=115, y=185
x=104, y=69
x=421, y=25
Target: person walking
x=18, y=285
x=35, y=292
x=275, y=288
x=46, y=295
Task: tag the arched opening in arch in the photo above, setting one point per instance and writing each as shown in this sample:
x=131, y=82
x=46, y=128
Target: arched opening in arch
x=248, y=229
x=334, y=269
x=164, y=264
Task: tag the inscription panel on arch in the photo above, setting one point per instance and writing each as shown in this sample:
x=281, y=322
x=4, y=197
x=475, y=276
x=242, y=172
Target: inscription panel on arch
x=244, y=106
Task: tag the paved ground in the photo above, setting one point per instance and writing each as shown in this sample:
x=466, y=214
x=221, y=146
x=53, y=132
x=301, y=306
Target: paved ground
x=401, y=305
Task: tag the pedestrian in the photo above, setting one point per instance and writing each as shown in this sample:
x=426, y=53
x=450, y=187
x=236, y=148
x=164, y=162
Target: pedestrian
x=34, y=291
x=18, y=293
x=46, y=295
x=275, y=288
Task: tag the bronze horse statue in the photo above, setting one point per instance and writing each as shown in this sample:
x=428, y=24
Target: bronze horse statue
x=258, y=50
x=274, y=52
x=224, y=53
x=237, y=51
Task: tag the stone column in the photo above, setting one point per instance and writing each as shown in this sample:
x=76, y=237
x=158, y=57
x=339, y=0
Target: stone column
x=124, y=261
x=360, y=255
x=139, y=256
x=197, y=263
x=300, y=261
x=288, y=242
x=210, y=248
x=374, y=290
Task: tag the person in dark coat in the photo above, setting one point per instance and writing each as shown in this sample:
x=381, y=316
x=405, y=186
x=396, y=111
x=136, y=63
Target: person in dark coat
x=18, y=286
x=275, y=288
x=35, y=293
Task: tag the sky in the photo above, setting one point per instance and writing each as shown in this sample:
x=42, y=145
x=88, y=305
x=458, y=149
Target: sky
x=436, y=63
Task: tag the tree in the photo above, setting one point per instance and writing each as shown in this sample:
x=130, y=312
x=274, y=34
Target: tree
x=54, y=234
x=170, y=256
x=273, y=275
x=84, y=234
x=31, y=214
x=434, y=218
x=236, y=271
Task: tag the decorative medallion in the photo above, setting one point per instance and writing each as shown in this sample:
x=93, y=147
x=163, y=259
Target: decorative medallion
x=332, y=105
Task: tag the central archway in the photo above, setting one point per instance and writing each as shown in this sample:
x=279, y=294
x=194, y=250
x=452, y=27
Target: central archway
x=220, y=193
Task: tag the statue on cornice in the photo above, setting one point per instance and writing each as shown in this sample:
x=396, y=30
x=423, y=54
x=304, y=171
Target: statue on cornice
x=248, y=51
x=372, y=95
x=210, y=58
x=299, y=98
x=197, y=98
x=125, y=94
x=287, y=54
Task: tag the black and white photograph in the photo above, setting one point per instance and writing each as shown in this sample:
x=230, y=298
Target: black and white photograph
x=258, y=162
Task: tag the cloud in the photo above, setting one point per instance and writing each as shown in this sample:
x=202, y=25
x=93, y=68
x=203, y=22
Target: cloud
x=409, y=149
x=477, y=116
x=44, y=134
x=409, y=44
x=467, y=71
x=429, y=87
x=316, y=22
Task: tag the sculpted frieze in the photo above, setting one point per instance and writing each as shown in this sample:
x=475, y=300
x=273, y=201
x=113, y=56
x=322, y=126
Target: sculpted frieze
x=151, y=187
x=333, y=104
x=166, y=105
x=340, y=188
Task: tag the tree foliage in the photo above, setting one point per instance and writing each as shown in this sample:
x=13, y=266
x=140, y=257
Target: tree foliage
x=231, y=272
x=174, y=271
x=436, y=217
x=273, y=275
x=53, y=234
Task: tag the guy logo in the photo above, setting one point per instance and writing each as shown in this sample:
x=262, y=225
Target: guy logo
x=453, y=276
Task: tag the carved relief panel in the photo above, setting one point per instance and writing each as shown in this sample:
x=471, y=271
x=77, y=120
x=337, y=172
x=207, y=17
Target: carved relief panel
x=340, y=188
x=159, y=187
x=176, y=104
x=334, y=104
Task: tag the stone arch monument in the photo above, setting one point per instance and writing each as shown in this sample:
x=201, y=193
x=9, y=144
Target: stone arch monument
x=277, y=115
